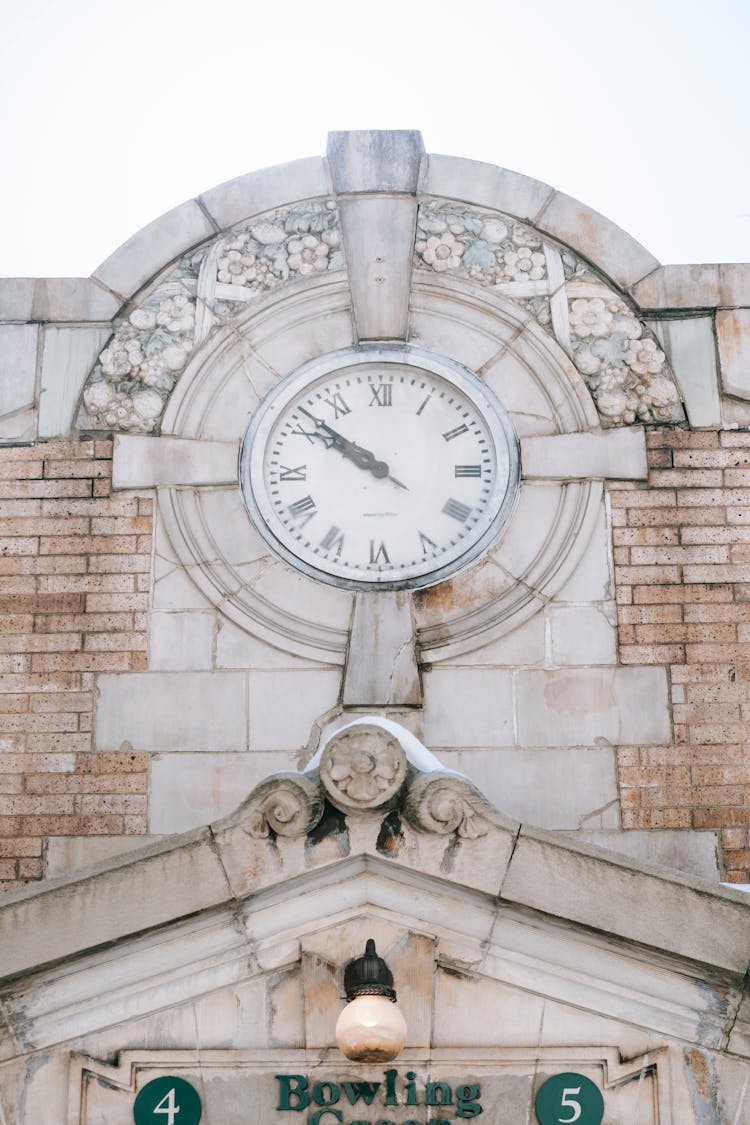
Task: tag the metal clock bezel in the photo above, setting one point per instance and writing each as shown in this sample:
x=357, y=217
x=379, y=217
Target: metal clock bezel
x=253, y=449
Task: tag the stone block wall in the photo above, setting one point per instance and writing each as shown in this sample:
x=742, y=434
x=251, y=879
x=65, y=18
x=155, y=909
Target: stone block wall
x=682, y=569
x=75, y=572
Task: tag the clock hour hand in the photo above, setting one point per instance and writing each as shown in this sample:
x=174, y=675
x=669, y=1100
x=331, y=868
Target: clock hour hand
x=362, y=458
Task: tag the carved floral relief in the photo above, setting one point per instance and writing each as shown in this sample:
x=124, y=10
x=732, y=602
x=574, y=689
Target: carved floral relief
x=623, y=365
x=129, y=387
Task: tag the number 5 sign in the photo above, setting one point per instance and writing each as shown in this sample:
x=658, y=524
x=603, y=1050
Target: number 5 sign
x=167, y=1101
x=569, y=1099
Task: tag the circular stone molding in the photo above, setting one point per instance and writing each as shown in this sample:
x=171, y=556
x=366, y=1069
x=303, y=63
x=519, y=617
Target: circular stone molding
x=238, y=367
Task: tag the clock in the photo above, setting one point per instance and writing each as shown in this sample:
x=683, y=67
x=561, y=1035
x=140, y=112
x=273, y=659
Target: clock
x=380, y=467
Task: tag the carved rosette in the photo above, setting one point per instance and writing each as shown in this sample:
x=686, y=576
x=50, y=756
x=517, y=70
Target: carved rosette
x=363, y=768
x=288, y=804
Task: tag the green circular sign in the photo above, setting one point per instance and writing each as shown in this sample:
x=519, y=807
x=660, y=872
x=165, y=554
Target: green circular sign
x=167, y=1101
x=568, y=1099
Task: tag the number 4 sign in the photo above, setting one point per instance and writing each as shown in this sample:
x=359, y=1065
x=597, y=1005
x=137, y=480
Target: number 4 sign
x=569, y=1099
x=167, y=1101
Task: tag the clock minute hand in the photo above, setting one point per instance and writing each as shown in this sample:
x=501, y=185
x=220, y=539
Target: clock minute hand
x=362, y=458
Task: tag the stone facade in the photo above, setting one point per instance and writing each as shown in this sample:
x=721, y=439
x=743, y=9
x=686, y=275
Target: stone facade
x=219, y=775
x=587, y=673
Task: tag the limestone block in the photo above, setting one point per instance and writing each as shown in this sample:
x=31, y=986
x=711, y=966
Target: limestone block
x=18, y=359
x=468, y=707
x=67, y=358
x=144, y=462
x=236, y=648
x=733, y=335
x=66, y=854
x=304, y=339
x=518, y=386
x=582, y=706
x=381, y=665
x=161, y=885
x=473, y=339
x=375, y=160
x=148, y=251
x=378, y=236
x=73, y=299
x=172, y=711
x=485, y=185
x=597, y=238
x=525, y=645
x=274, y=724
x=695, y=853
x=20, y=426
x=189, y=790
x=550, y=788
x=687, y=917
x=694, y=287
x=266, y=189
x=619, y=454
x=16, y=298
x=592, y=581
x=583, y=634
x=181, y=641
x=691, y=349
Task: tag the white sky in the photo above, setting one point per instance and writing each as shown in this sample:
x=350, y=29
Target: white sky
x=113, y=111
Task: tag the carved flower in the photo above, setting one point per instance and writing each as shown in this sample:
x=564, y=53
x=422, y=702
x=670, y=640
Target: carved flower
x=308, y=255
x=123, y=354
x=526, y=236
x=177, y=315
x=494, y=230
x=523, y=264
x=442, y=252
x=645, y=357
x=590, y=317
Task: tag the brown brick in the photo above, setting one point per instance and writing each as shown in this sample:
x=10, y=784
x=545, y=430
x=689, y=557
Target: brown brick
x=645, y=536
x=87, y=544
x=42, y=603
x=121, y=525
x=642, y=498
x=116, y=602
x=652, y=654
x=28, y=847
x=681, y=439
x=68, y=469
x=686, y=478
x=633, y=575
x=21, y=489
x=89, y=622
x=649, y=614
x=116, y=642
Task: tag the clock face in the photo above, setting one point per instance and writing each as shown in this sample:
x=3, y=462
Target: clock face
x=380, y=467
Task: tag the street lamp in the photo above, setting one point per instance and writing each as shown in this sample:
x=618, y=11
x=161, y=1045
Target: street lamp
x=371, y=1028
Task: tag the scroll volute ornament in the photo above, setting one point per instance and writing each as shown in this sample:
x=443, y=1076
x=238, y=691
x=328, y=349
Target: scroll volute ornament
x=287, y=804
x=363, y=768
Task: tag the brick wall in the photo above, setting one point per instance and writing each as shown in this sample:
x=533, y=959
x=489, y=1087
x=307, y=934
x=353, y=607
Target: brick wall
x=75, y=568
x=682, y=567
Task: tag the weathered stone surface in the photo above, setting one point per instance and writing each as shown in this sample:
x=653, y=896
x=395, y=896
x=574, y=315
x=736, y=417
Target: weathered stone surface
x=173, y=711
x=691, y=919
x=181, y=641
x=266, y=189
x=485, y=714
x=620, y=454
x=549, y=788
x=381, y=666
x=583, y=634
x=189, y=790
x=733, y=335
x=143, y=462
x=378, y=241
x=485, y=185
x=694, y=853
x=375, y=160
x=67, y=357
x=597, y=238
x=274, y=725
x=153, y=247
x=581, y=706
x=163, y=884
x=694, y=287
x=691, y=348
x=18, y=361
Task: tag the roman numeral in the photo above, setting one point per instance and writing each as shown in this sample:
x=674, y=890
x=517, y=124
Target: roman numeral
x=300, y=473
x=456, y=510
x=302, y=511
x=382, y=395
x=462, y=429
x=426, y=544
x=333, y=540
x=468, y=470
x=337, y=405
x=379, y=555
x=304, y=433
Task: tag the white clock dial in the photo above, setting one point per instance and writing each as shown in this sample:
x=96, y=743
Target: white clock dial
x=380, y=467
